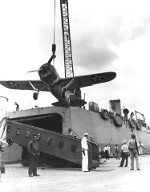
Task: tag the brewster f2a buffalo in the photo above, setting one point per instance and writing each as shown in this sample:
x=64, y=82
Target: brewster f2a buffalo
x=66, y=90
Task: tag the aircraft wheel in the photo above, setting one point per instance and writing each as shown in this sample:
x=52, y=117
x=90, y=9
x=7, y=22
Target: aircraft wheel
x=35, y=95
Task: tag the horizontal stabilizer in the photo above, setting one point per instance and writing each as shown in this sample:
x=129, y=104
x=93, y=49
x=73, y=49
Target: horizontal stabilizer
x=74, y=103
x=78, y=103
x=59, y=104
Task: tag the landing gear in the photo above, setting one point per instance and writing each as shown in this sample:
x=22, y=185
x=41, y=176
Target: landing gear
x=35, y=95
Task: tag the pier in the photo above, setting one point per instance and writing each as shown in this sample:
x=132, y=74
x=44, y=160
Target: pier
x=108, y=177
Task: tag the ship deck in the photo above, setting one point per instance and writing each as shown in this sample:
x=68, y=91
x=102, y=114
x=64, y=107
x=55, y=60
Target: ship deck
x=107, y=177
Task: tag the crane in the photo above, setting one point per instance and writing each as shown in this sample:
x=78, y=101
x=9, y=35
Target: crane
x=67, y=48
x=68, y=61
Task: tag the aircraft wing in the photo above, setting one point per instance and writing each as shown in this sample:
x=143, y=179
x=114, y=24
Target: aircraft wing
x=24, y=85
x=87, y=80
x=77, y=82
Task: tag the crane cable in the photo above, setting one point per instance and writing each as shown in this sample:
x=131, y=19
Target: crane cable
x=54, y=36
x=54, y=19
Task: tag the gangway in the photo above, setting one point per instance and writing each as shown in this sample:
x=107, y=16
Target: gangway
x=64, y=147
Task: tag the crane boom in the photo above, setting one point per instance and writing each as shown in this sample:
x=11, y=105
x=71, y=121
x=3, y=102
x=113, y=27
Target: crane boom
x=68, y=61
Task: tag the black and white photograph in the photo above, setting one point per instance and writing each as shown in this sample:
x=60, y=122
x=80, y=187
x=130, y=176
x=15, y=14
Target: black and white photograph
x=74, y=95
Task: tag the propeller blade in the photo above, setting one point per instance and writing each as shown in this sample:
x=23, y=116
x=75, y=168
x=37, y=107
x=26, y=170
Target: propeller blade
x=33, y=71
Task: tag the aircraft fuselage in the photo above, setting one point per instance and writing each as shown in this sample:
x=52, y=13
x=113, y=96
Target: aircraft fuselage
x=50, y=77
x=48, y=74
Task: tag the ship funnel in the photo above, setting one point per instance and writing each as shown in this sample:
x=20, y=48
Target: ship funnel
x=126, y=112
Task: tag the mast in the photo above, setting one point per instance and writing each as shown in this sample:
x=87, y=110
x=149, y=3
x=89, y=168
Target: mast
x=68, y=61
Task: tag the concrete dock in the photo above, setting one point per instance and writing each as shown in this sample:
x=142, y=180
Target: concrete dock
x=108, y=177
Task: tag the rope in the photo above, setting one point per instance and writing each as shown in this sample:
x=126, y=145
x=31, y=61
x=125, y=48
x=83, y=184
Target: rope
x=76, y=134
x=145, y=149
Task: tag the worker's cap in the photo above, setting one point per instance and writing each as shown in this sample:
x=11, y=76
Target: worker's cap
x=124, y=141
x=34, y=135
x=85, y=134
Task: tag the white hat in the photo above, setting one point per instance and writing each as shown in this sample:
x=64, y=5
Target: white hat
x=85, y=134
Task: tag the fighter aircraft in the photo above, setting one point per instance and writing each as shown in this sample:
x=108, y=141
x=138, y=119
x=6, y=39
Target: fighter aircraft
x=66, y=90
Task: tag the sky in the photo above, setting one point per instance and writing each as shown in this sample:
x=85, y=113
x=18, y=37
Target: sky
x=107, y=35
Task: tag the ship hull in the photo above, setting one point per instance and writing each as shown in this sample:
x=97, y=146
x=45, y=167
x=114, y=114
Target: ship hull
x=101, y=130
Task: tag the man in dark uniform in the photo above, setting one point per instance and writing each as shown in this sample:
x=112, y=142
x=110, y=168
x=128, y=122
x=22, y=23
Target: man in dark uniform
x=33, y=149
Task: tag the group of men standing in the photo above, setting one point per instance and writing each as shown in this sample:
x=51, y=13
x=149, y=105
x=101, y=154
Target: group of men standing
x=34, y=152
x=131, y=147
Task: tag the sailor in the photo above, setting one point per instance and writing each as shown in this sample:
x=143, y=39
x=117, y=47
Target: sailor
x=124, y=154
x=17, y=106
x=140, y=148
x=70, y=132
x=33, y=149
x=132, y=146
x=84, y=145
x=131, y=115
x=106, y=152
x=117, y=151
x=108, y=147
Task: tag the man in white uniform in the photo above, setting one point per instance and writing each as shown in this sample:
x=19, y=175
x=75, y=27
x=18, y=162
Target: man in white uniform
x=140, y=148
x=84, y=145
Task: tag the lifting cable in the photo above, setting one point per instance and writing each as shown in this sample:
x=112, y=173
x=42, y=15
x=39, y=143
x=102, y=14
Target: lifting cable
x=54, y=19
x=54, y=32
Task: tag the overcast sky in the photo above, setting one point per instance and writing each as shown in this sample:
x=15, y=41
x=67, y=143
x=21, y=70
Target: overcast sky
x=107, y=35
